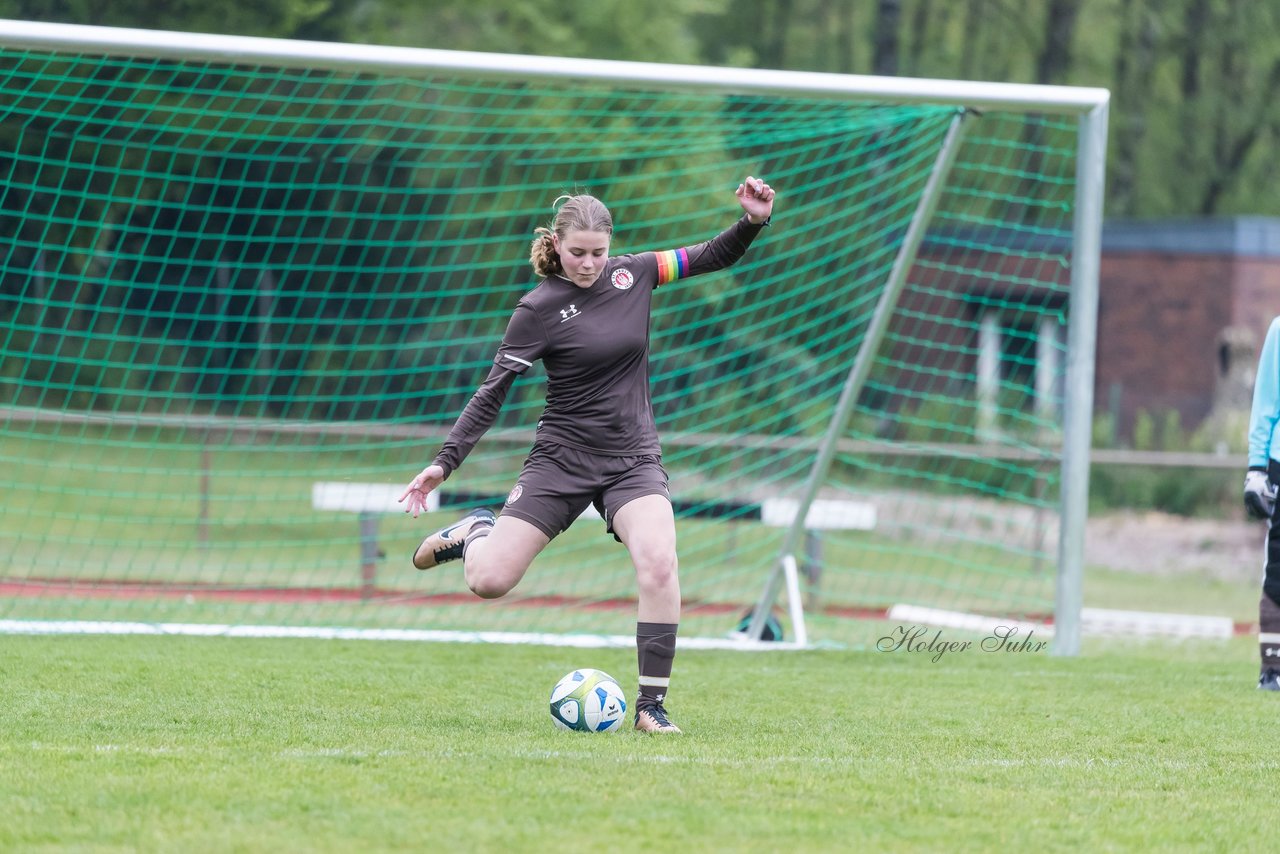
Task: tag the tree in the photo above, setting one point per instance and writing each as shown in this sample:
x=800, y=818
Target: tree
x=1134, y=76
x=1054, y=60
x=658, y=31
x=1225, y=115
x=319, y=19
x=1192, y=79
x=884, y=53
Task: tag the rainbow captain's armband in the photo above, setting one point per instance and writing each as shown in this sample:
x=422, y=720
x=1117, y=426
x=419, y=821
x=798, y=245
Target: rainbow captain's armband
x=672, y=264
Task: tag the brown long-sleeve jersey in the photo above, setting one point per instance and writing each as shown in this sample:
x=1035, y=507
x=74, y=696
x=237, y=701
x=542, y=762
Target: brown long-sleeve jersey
x=594, y=344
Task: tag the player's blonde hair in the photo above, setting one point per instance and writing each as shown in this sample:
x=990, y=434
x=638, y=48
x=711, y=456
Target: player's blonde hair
x=578, y=212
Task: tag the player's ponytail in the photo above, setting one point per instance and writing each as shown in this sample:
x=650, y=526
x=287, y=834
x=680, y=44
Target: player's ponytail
x=577, y=213
x=543, y=255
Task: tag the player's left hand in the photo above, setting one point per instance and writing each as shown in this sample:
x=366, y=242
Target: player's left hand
x=1259, y=494
x=420, y=487
x=756, y=198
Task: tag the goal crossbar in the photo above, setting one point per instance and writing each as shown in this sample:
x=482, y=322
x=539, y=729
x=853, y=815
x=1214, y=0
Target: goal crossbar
x=301, y=53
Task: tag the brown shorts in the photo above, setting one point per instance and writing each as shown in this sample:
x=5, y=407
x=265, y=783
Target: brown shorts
x=558, y=483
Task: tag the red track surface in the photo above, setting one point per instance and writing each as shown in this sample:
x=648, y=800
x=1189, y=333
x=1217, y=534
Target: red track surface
x=79, y=589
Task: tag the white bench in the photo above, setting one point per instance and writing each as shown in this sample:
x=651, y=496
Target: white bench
x=371, y=501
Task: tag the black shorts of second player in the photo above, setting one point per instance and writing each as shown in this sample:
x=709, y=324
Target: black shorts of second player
x=1271, y=566
x=558, y=483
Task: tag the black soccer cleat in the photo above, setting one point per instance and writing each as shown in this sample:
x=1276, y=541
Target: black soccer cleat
x=1269, y=680
x=653, y=718
x=446, y=544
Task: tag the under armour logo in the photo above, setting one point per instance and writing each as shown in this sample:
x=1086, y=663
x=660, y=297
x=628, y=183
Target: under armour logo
x=569, y=313
x=1271, y=650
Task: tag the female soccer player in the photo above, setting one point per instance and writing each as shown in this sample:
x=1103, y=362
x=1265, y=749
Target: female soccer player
x=596, y=442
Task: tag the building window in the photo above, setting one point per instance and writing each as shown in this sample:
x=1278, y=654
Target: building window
x=1019, y=367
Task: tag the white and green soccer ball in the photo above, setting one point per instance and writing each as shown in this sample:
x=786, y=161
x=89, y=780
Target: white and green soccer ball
x=588, y=701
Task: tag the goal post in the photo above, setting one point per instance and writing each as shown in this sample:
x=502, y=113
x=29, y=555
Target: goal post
x=252, y=282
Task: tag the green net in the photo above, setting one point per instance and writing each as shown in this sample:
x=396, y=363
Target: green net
x=241, y=303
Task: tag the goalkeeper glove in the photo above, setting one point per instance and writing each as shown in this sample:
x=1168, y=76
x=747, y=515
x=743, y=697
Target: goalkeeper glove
x=1259, y=494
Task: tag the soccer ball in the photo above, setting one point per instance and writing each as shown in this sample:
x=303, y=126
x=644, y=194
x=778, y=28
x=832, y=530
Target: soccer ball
x=588, y=701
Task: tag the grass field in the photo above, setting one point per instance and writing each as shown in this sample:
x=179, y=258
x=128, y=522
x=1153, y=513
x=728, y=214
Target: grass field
x=216, y=744
x=189, y=744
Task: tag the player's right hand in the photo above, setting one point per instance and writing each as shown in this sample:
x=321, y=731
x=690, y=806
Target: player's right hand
x=420, y=487
x=1259, y=494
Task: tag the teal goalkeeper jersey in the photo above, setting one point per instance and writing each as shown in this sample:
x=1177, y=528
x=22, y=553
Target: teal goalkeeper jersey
x=1264, y=440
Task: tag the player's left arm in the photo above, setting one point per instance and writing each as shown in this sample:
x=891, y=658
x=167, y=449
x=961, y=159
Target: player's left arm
x=1259, y=491
x=725, y=249
x=1265, y=409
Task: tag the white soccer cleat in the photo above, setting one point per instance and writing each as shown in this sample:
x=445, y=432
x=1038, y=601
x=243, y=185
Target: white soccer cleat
x=446, y=544
x=654, y=719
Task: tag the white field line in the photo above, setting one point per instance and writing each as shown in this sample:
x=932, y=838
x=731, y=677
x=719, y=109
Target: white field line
x=978, y=623
x=584, y=641
x=1094, y=622
x=1107, y=621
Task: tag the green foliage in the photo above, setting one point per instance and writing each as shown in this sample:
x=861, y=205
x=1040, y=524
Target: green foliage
x=278, y=18
x=1226, y=434
x=1191, y=80
x=1104, y=430
x=611, y=29
x=1144, y=431
x=1182, y=490
x=1159, y=431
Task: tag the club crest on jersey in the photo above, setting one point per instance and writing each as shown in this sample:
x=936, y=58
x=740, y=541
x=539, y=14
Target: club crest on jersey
x=623, y=280
x=516, y=492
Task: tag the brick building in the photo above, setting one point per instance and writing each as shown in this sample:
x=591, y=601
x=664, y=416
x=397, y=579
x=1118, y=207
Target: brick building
x=1183, y=307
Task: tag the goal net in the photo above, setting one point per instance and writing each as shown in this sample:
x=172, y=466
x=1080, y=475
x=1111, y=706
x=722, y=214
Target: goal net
x=250, y=284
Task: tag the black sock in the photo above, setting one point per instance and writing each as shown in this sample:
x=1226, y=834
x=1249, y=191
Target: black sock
x=655, y=650
x=1269, y=632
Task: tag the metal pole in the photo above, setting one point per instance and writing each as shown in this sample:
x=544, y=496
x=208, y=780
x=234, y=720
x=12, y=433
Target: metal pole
x=262, y=359
x=206, y=484
x=368, y=555
x=1082, y=336
x=862, y=362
